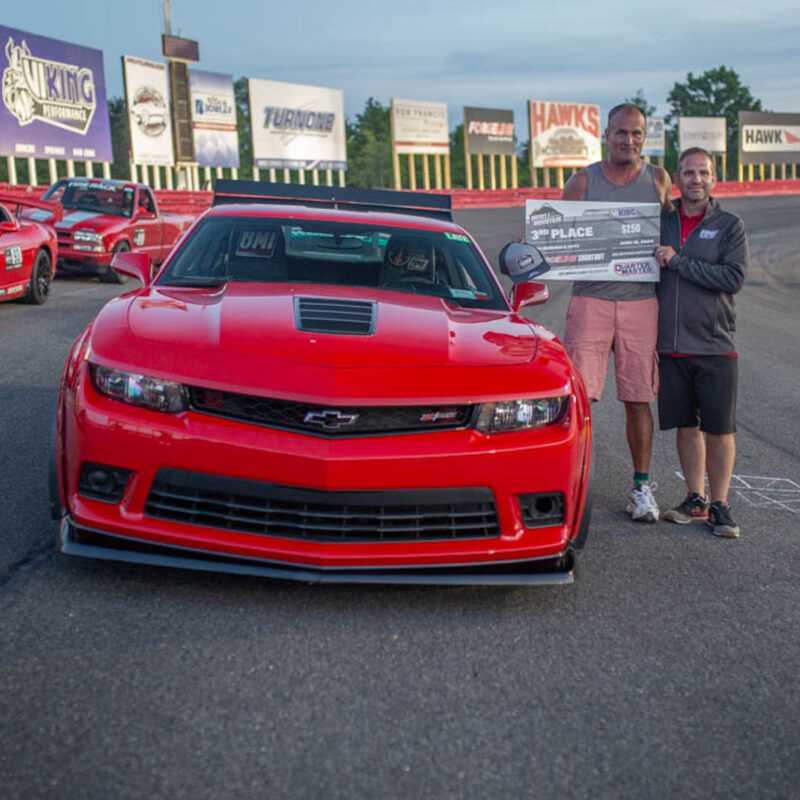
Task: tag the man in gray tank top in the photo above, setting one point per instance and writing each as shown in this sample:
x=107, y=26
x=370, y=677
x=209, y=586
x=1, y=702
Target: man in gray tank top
x=606, y=316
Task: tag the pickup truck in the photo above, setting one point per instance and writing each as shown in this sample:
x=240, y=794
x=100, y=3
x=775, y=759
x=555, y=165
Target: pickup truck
x=104, y=217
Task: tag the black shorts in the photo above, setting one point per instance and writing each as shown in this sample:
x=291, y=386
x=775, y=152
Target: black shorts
x=698, y=390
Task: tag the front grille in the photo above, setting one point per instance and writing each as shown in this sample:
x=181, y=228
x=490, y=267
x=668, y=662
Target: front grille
x=271, y=510
x=321, y=315
x=64, y=236
x=332, y=421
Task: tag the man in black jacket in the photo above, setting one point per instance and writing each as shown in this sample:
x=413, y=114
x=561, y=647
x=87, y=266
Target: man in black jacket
x=704, y=256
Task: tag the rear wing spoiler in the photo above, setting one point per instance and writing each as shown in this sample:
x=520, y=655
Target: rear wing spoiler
x=419, y=204
x=18, y=202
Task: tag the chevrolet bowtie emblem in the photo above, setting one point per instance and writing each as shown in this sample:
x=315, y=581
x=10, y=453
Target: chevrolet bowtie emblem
x=330, y=419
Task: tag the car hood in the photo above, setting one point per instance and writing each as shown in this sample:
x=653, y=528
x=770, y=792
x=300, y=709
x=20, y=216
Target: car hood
x=408, y=330
x=74, y=219
x=245, y=338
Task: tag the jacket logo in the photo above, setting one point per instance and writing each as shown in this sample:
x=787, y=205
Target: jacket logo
x=330, y=419
x=706, y=234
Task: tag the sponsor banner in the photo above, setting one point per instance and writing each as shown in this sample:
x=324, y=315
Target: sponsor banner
x=213, y=104
x=53, y=99
x=420, y=127
x=563, y=134
x=706, y=132
x=654, y=144
x=766, y=138
x=148, y=111
x=490, y=131
x=297, y=126
x=595, y=241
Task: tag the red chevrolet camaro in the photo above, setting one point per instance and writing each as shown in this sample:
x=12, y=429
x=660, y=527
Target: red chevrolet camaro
x=27, y=250
x=326, y=385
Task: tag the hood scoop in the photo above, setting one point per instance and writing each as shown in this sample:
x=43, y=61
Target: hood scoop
x=322, y=315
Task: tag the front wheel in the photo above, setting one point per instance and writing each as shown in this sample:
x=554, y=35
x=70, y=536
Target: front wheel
x=42, y=272
x=111, y=275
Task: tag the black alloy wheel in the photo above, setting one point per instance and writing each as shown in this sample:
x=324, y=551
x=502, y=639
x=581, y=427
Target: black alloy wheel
x=42, y=272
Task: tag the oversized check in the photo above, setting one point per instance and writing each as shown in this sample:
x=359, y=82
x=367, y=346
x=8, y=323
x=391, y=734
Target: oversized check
x=586, y=240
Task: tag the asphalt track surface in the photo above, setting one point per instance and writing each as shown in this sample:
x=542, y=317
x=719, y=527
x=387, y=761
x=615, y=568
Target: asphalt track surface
x=669, y=669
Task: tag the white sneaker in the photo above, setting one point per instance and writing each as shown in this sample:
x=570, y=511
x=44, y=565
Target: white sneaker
x=642, y=505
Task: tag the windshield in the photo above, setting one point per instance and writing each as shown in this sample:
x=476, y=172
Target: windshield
x=101, y=198
x=270, y=250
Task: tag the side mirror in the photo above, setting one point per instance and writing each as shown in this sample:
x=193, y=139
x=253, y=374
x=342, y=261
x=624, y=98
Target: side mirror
x=531, y=293
x=137, y=265
x=521, y=262
x=8, y=227
x=143, y=213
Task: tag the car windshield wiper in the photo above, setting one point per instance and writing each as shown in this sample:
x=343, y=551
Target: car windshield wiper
x=204, y=283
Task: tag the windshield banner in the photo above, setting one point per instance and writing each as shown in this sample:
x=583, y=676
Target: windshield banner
x=148, y=111
x=563, y=134
x=595, y=241
x=297, y=126
x=216, y=140
x=54, y=99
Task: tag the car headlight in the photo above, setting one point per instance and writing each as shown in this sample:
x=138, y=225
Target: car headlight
x=139, y=390
x=87, y=236
x=521, y=415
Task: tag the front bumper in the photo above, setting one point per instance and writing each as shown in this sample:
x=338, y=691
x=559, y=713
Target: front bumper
x=99, y=430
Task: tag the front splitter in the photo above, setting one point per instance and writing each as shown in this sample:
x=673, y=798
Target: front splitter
x=111, y=547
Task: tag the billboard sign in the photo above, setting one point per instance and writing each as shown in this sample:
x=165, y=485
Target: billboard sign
x=148, y=111
x=490, y=131
x=766, y=138
x=213, y=104
x=53, y=99
x=420, y=127
x=654, y=144
x=563, y=134
x=706, y=132
x=297, y=126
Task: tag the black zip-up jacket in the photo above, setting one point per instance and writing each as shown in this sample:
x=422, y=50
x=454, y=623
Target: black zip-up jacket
x=696, y=314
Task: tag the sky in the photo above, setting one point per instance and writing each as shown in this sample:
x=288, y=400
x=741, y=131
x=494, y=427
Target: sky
x=488, y=53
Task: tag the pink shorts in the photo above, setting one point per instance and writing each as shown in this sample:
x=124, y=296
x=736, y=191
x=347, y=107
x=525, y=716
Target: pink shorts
x=595, y=327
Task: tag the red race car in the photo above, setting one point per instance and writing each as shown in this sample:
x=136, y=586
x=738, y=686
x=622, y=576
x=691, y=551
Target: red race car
x=27, y=250
x=104, y=217
x=326, y=385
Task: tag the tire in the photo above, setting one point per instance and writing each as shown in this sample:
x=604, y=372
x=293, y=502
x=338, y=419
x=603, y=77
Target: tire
x=41, y=275
x=111, y=275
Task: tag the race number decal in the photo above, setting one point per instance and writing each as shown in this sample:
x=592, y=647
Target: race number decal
x=13, y=257
x=256, y=244
x=138, y=237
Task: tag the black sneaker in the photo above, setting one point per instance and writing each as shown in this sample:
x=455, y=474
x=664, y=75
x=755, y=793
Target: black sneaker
x=694, y=508
x=721, y=521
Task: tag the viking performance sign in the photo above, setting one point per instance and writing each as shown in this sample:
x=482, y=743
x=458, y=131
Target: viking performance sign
x=563, y=134
x=297, y=126
x=490, y=131
x=148, y=111
x=216, y=140
x=766, y=138
x=420, y=127
x=53, y=99
x=585, y=240
x=706, y=132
